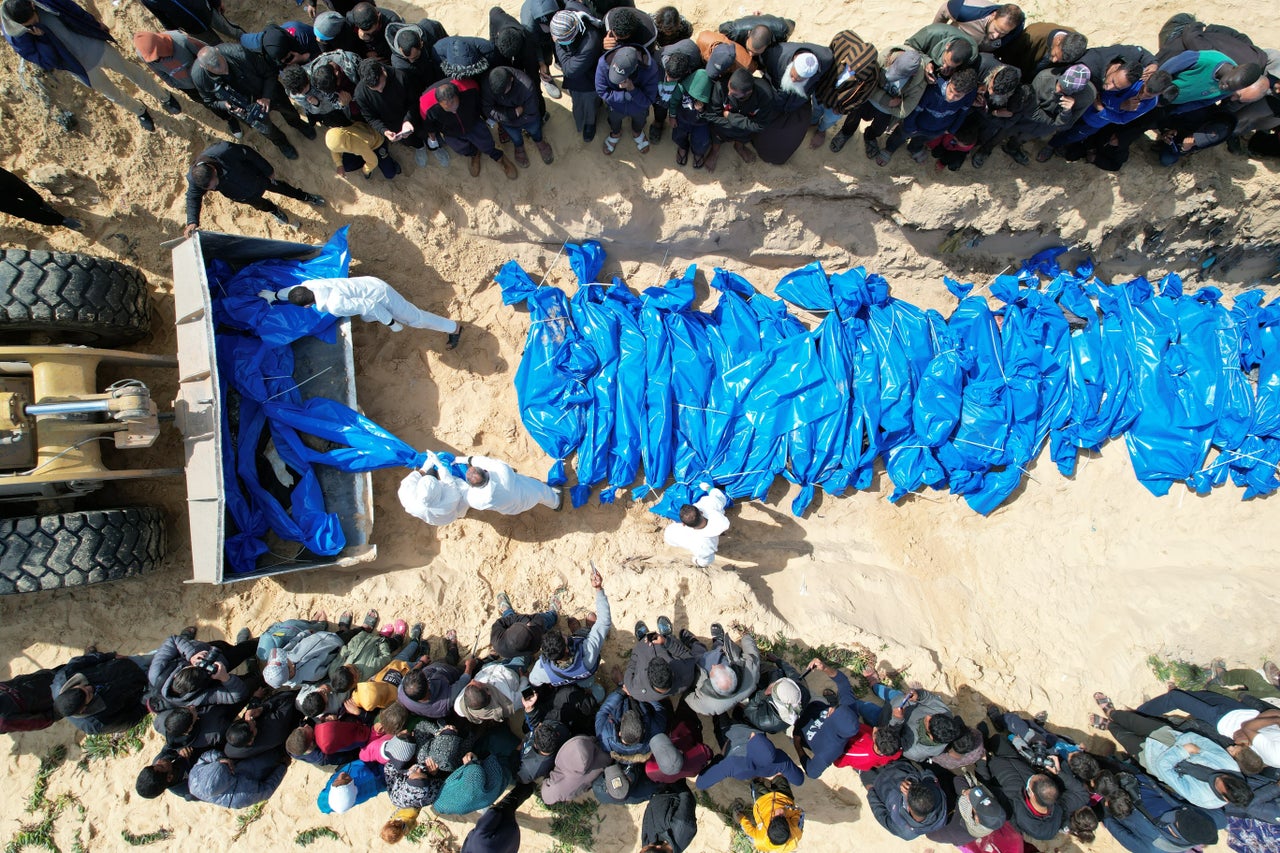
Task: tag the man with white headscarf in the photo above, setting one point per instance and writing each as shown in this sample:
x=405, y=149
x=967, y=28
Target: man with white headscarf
x=794, y=69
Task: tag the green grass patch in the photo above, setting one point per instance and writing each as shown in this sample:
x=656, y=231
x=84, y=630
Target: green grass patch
x=145, y=838
x=1184, y=675
x=247, y=818
x=52, y=761
x=433, y=831
x=573, y=825
x=39, y=836
x=853, y=659
x=115, y=745
x=310, y=836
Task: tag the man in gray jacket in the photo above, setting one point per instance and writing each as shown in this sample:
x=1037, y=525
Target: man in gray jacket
x=727, y=674
x=220, y=781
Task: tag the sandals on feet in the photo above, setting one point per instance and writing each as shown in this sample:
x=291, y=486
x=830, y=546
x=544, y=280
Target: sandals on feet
x=1096, y=721
x=699, y=162
x=642, y=143
x=1104, y=702
x=610, y=145
x=370, y=620
x=682, y=156
x=872, y=148
x=344, y=621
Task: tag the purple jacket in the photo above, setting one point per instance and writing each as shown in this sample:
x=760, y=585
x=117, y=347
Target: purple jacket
x=46, y=50
x=634, y=102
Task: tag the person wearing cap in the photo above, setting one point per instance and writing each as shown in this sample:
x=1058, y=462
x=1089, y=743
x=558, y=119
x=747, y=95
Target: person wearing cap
x=369, y=23
x=198, y=18
x=577, y=40
x=365, y=296
x=690, y=131
x=100, y=692
x=433, y=493
x=59, y=35
x=670, y=820
x=334, y=33
x=1159, y=820
x=776, y=823
x=977, y=815
x=722, y=56
x=905, y=799
x=509, y=97
x=679, y=754
x=497, y=830
x=899, y=87
x=413, y=56
x=351, y=784
x=578, y=763
x=218, y=780
x=171, y=55
x=701, y=523
x=627, y=82
x=846, y=85
x=245, y=84
x=1126, y=106
x=781, y=696
x=495, y=485
x=1061, y=97
x=941, y=111
x=945, y=49
x=991, y=26
x=794, y=69
x=452, y=109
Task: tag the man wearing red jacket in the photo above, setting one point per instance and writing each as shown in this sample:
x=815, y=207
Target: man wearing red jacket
x=452, y=109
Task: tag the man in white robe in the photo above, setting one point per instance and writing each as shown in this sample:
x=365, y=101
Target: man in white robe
x=495, y=485
x=433, y=493
x=700, y=525
x=367, y=297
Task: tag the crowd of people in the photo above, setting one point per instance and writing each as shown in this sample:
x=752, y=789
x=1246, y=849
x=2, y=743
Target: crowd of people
x=978, y=76
x=399, y=726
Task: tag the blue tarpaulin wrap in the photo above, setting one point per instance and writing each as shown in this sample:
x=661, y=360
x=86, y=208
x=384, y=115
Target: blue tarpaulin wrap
x=745, y=393
x=255, y=360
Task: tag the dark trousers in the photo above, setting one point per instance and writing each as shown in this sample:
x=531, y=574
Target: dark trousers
x=780, y=785
x=1202, y=705
x=478, y=140
x=290, y=191
x=1131, y=728
x=531, y=125
x=878, y=122
x=18, y=198
x=236, y=654
x=616, y=119
x=694, y=136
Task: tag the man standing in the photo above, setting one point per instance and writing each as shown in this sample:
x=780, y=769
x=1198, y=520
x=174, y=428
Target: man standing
x=510, y=98
x=941, y=110
x=579, y=44
x=172, y=55
x=241, y=174
x=433, y=493
x=700, y=526
x=1061, y=98
x=18, y=198
x=367, y=297
x=452, y=109
x=496, y=486
x=58, y=35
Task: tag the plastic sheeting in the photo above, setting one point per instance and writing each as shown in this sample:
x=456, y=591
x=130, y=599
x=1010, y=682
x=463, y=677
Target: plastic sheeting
x=642, y=386
x=256, y=366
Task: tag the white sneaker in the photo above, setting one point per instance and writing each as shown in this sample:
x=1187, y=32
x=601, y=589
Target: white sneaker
x=396, y=327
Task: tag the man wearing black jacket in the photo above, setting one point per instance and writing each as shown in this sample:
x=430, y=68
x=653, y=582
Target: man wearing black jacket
x=1037, y=801
x=670, y=820
x=412, y=59
x=245, y=85
x=100, y=692
x=241, y=174
x=579, y=44
x=389, y=108
x=264, y=726
x=738, y=111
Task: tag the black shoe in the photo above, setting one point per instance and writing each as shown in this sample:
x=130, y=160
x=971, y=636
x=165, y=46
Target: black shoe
x=1015, y=151
x=642, y=630
x=171, y=105
x=279, y=216
x=655, y=132
x=1235, y=145
x=289, y=152
x=996, y=716
x=306, y=130
x=686, y=637
x=588, y=133
x=73, y=224
x=717, y=634
x=664, y=626
x=233, y=128
x=832, y=697
x=454, y=337
x=838, y=141
x=314, y=200
x=144, y=119
x=188, y=633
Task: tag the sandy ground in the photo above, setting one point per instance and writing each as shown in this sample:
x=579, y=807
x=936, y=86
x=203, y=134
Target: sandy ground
x=1064, y=590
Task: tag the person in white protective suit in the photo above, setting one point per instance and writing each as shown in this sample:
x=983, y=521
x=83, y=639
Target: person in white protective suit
x=700, y=525
x=433, y=493
x=495, y=485
x=367, y=297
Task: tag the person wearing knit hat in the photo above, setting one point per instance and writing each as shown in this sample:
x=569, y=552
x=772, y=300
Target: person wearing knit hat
x=170, y=56
x=400, y=752
x=334, y=33
x=465, y=57
x=577, y=40
x=690, y=131
x=290, y=43
x=1061, y=96
x=474, y=786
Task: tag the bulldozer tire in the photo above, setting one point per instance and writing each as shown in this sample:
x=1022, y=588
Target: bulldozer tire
x=68, y=549
x=62, y=297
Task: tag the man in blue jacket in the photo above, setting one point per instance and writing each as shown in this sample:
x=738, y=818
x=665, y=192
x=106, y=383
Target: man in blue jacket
x=627, y=81
x=58, y=35
x=748, y=754
x=1158, y=821
x=942, y=109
